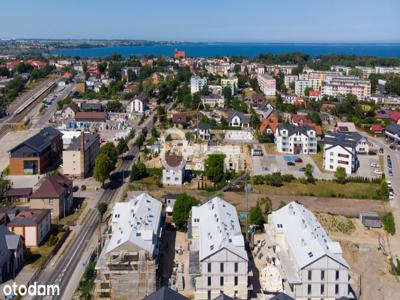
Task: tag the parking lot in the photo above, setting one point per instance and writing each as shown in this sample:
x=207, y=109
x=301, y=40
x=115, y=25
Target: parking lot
x=294, y=164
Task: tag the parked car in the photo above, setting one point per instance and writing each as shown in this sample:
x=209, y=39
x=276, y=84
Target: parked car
x=298, y=160
x=381, y=150
x=290, y=163
x=302, y=169
x=390, y=172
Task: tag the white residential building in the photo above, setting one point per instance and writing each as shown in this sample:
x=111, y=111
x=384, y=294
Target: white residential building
x=213, y=101
x=173, y=169
x=197, y=83
x=267, y=84
x=311, y=264
x=137, y=106
x=231, y=82
x=302, y=85
x=296, y=139
x=341, y=149
x=127, y=266
x=218, y=258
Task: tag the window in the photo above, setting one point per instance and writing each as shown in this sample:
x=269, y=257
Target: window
x=221, y=267
x=209, y=295
x=221, y=281
x=337, y=275
x=322, y=289
x=309, y=289
x=51, y=201
x=209, y=267
x=236, y=267
x=336, y=289
x=322, y=275
x=209, y=281
x=236, y=280
x=309, y=275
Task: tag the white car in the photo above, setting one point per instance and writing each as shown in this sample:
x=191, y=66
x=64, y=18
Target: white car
x=391, y=197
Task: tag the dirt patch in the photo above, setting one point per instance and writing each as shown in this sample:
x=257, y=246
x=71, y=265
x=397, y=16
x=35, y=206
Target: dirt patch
x=336, y=223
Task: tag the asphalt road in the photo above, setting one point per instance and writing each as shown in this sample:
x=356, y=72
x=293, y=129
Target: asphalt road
x=67, y=264
x=44, y=119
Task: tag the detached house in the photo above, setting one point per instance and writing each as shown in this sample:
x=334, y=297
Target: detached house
x=70, y=111
x=33, y=225
x=36, y=154
x=55, y=193
x=173, y=169
x=11, y=254
x=203, y=131
x=137, y=106
x=392, y=133
x=238, y=119
x=218, y=258
x=296, y=139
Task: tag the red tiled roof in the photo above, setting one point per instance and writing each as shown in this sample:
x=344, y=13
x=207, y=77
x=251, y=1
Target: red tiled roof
x=29, y=217
x=271, y=122
x=313, y=93
x=377, y=127
x=395, y=116
x=91, y=115
x=173, y=160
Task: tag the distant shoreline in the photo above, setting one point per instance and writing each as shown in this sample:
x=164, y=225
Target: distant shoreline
x=210, y=49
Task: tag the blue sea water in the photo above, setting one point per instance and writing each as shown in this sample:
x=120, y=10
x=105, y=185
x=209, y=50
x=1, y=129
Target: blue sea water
x=239, y=49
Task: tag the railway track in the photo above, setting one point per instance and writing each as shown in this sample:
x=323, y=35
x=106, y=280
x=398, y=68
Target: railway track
x=26, y=107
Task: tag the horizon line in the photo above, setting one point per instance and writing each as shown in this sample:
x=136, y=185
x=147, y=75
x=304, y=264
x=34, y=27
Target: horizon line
x=204, y=42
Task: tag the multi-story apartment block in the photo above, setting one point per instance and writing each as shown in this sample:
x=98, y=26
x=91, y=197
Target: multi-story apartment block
x=213, y=101
x=197, y=83
x=79, y=157
x=311, y=264
x=231, y=82
x=267, y=84
x=218, y=258
x=322, y=75
x=340, y=150
x=221, y=69
x=302, y=85
x=127, y=266
x=289, y=79
x=296, y=139
x=337, y=86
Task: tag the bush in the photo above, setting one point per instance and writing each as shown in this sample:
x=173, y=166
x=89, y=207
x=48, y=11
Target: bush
x=53, y=239
x=138, y=171
x=182, y=207
x=388, y=223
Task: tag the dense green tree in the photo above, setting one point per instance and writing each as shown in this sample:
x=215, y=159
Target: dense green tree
x=102, y=209
x=315, y=118
x=122, y=146
x=114, y=106
x=393, y=85
x=111, y=152
x=340, y=175
x=266, y=201
x=256, y=215
x=227, y=93
x=214, y=167
x=139, y=171
x=309, y=173
x=182, y=207
x=103, y=167
x=4, y=72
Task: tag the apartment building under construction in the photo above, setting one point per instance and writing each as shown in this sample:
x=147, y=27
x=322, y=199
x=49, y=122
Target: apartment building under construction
x=127, y=266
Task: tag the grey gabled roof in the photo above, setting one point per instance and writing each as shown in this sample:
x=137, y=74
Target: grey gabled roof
x=393, y=128
x=344, y=139
x=293, y=129
x=223, y=297
x=165, y=293
x=281, y=296
x=204, y=126
x=243, y=118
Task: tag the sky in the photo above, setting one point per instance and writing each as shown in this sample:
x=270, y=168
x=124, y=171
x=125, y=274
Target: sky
x=204, y=20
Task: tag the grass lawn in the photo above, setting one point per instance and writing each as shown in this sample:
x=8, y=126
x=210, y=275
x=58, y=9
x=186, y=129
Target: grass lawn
x=325, y=189
x=38, y=256
x=271, y=148
x=319, y=160
x=73, y=218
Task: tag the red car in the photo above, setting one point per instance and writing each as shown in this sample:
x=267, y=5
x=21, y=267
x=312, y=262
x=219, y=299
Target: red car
x=298, y=160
